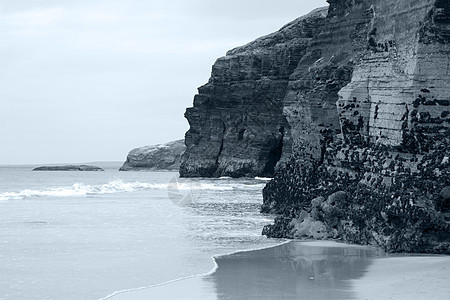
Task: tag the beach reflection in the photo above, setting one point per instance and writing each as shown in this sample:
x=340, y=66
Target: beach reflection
x=296, y=270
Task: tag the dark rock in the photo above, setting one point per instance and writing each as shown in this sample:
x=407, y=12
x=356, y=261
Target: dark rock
x=237, y=126
x=385, y=169
x=157, y=157
x=349, y=106
x=445, y=192
x=68, y=168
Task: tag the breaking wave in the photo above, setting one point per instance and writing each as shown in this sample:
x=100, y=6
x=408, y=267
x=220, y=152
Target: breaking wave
x=118, y=186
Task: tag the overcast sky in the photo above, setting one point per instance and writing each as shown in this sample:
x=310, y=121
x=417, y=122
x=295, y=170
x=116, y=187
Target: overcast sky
x=89, y=80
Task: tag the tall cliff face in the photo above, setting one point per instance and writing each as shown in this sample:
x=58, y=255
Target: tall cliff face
x=353, y=106
x=374, y=170
x=237, y=126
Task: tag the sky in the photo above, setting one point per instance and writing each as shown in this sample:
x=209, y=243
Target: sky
x=89, y=80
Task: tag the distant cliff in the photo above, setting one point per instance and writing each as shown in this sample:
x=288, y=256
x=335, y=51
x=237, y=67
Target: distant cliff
x=156, y=157
x=350, y=108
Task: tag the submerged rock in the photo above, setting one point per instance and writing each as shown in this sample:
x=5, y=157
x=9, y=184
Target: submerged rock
x=68, y=168
x=156, y=157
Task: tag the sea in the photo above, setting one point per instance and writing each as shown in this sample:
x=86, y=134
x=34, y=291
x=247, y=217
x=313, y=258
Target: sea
x=93, y=235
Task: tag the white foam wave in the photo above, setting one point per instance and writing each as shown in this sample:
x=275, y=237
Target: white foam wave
x=263, y=178
x=79, y=189
x=118, y=186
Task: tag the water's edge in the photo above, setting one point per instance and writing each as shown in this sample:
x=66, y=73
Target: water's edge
x=213, y=270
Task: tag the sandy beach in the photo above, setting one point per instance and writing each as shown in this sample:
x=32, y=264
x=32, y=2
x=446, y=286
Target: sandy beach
x=405, y=278
x=311, y=270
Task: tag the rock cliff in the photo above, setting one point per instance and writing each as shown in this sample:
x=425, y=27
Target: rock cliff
x=376, y=169
x=156, y=157
x=237, y=126
x=350, y=108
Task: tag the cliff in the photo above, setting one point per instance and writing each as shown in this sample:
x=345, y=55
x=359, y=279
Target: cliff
x=237, y=126
x=378, y=173
x=156, y=157
x=350, y=108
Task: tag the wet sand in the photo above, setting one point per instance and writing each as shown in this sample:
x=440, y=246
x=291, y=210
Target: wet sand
x=406, y=278
x=295, y=270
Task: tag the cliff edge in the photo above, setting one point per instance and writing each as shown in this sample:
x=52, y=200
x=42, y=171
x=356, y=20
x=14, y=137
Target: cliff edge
x=349, y=107
x=237, y=126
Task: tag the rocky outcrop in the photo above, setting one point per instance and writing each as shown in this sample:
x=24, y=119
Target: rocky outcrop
x=157, y=157
x=237, y=126
x=376, y=169
x=68, y=168
x=350, y=107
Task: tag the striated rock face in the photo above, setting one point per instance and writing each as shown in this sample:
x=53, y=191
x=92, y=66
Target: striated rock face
x=350, y=107
x=68, y=168
x=373, y=169
x=157, y=157
x=237, y=126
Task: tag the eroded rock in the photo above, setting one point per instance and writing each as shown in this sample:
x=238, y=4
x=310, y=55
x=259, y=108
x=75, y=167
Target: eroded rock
x=381, y=159
x=156, y=157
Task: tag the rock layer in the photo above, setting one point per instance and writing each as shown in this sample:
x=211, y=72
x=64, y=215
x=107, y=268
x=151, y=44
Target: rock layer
x=237, y=126
x=377, y=171
x=156, y=157
x=350, y=107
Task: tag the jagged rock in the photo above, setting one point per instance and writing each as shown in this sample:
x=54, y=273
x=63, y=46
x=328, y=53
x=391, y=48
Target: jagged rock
x=237, y=126
x=68, y=168
x=157, y=157
x=306, y=227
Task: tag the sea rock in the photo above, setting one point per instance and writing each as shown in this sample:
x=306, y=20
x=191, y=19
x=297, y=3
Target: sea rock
x=237, y=126
x=156, y=157
x=68, y=168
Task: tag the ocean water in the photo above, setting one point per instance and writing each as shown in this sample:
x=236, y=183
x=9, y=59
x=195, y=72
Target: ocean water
x=88, y=235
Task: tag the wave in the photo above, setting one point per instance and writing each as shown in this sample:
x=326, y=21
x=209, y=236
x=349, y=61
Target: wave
x=118, y=186
x=263, y=178
x=214, y=269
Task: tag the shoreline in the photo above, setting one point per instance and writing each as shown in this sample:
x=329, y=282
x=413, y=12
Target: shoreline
x=195, y=283
x=375, y=270
x=213, y=270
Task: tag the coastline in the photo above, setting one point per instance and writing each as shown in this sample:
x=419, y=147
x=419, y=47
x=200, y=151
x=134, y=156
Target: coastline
x=117, y=294
x=319, y=269
x=235, y=274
